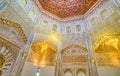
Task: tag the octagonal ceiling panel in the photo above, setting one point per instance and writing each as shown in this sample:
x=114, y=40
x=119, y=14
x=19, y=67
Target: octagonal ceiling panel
x=67, y=8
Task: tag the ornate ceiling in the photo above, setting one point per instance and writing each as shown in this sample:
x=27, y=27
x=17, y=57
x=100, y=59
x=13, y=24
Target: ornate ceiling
x=67, y=8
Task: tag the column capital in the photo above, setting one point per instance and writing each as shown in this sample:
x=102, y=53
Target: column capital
x=24, y=54
x=93, y=61
x=87, y=34
x=58, y=61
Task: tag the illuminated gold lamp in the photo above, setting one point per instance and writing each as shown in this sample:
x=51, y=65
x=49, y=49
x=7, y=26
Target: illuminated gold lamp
x=38, y=71
x=2, y=60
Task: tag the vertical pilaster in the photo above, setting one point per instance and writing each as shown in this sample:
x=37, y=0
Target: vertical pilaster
x=91, y=59
x=19, y=64
x=87, y=74
x=58, y=59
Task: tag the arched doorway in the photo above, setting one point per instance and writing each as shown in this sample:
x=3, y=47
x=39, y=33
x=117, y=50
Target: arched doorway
x=68, y=72
x=81, y=72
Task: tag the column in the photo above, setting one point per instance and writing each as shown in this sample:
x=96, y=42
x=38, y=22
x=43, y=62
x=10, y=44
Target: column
x=19, y=64
x=87, y=74
x=58, y=59
x=91, y=59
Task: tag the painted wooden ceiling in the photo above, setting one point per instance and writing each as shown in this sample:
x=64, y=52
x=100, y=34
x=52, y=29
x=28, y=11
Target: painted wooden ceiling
x=67, y=8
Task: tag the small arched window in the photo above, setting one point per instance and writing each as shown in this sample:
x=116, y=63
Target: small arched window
x=54, y=27
x=68, y=29
x=22, y=3
x=32, y=14
x=80, y=72
x=44, y=24
x=45, y=21
x=78, y=28
x=104, y=14
x=68, y=72
x=93, y=21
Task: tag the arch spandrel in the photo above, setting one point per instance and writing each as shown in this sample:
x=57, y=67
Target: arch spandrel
x=74, y=54
x=74, y=48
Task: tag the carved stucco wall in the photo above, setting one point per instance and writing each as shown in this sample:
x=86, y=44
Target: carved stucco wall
x=73, y=59
x=10, y=14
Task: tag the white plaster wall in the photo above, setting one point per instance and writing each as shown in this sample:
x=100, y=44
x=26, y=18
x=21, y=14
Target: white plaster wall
x=47, y=71
x=108, y=71
x=30, y=70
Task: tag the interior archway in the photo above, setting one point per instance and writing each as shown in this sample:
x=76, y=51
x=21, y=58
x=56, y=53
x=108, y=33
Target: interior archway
x=80, y=72
x=68, y=72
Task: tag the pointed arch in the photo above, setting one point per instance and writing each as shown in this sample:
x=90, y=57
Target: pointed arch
x=54, y=27
x=93, y=21
x=81, y=72
x=68, y=29
x=68, y=72
x=82, y=49
x=104, y=14
x=78, y=28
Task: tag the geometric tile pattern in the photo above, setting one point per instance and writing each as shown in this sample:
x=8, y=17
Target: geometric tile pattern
x=67, y=8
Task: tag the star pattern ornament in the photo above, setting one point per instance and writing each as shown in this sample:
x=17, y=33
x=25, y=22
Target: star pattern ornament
x=67, y=8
